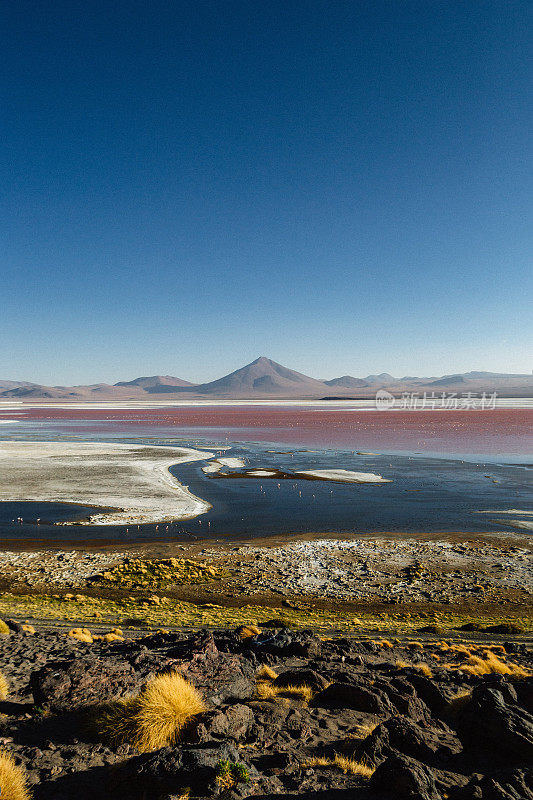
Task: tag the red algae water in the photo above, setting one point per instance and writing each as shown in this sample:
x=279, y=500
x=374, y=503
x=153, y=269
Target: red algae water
x=489, y=432
x=465, y=471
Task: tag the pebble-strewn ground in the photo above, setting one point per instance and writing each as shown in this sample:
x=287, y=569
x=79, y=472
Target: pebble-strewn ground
x=382, y=569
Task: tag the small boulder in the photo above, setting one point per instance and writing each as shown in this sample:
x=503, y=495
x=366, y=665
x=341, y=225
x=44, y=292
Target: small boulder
x=494, y=727
x=174, y=769
x=515, y=784
x=301, y=677
x=286, y=643
x=432, y=745
x=233, y=722
x=358, y=698
x=403, y=778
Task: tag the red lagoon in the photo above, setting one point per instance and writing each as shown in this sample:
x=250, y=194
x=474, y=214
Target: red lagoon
x=490, y=431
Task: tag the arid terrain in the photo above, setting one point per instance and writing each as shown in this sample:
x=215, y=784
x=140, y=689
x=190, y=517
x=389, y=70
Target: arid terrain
x=264, y=378
x=329, y=670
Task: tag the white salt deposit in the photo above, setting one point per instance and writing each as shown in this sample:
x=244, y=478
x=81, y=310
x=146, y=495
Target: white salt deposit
x=344, y=475
x=133, y=480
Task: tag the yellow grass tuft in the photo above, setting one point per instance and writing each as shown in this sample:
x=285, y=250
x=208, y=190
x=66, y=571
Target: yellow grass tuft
x=81, y=634
x=349, y=766
x=364, y=729
x=459, y=701
x=4, y=689
x=266, y=673
x=27, y=628
x=415, y=645
x=460, y=648
x=4, y=629
x=488, y=664
x=116, y=722
x=402, y=664
x=424, y=669
x=12, y=779
x=115, y=635
x=496, y=648
x=247, y=631
x=267, y=691
x=154, y=718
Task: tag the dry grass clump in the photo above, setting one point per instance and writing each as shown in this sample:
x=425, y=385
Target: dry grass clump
x=267, y=691
x=247, y=631
x=158, y=573
x=4, y=629
x=460, y=648
x=421, y=667
x=82, y=635
x=400, y=664
x=349, y=766
x=459, y=701
x=115, y=635
x=12, y=779
x=415, y=645
x=154, y=718
x=364, y=729
x=4, y=691
x=27, y=628
x=383, y=643
x=488, y=664
x=266, y=673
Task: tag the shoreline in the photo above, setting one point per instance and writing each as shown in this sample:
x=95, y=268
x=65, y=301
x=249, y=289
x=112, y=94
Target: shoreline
x=132, y=480
x=358, y=403
x=436, y=570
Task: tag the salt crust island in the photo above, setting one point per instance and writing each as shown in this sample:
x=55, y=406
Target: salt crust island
x=132, y=482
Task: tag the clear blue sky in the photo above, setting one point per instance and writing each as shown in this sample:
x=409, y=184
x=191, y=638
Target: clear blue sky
x=342, y=185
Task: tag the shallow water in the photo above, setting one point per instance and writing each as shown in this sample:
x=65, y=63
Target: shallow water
x=426, y=494
x=499, y=434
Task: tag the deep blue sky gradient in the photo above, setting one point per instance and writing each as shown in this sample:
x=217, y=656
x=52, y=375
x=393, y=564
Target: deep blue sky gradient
x=342, y=186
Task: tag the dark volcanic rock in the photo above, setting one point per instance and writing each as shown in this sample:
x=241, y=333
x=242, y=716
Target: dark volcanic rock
x=199, y=644
x=404, y=698
x=301, y=677
x=174, y=769
x=494, y=728
x=429, y=692
x=233, y=723
x=431, y=745
x=87, y=680
x=218, y=676
x=511, y=785
x=350, y=695
x=403, y=778
x=524, y=691
x=285, y=643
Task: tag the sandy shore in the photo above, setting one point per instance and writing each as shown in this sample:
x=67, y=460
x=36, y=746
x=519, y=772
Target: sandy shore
x=133, y=479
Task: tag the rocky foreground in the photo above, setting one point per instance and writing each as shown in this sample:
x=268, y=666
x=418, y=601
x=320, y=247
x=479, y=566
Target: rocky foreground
x=287, y=713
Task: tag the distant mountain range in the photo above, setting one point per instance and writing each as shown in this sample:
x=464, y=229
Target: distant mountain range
x=264, y=378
